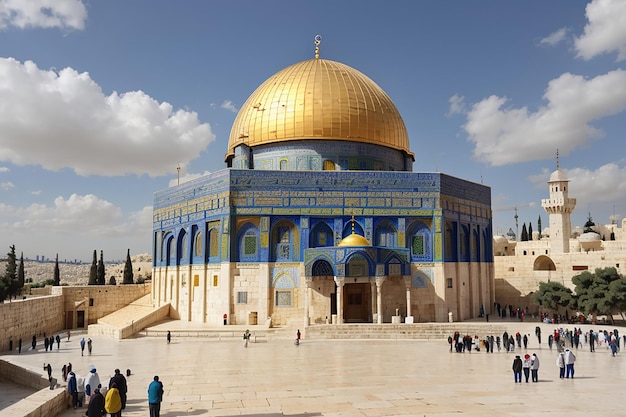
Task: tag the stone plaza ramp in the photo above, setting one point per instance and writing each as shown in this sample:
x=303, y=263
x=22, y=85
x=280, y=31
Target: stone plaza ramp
x=129, y=320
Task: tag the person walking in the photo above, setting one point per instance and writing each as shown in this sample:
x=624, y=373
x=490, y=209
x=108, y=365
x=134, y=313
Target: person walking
x=534, y=368
x=122, y=387
x=169, y=337
x=592, y=341
x=92, y=381
x=113, y=401
x=538, y=334
x=89, y=345
x=560, y=362
x=33, y=342
x=155, y=397
x=82, y=347
x=68, y=333
x=526, y=366
x=298, y=335
x=246, y=338
x=58, y=339
x=19, y=346
x=569, y=359
x=72, y=389
x=96, y=405
x=517, y=369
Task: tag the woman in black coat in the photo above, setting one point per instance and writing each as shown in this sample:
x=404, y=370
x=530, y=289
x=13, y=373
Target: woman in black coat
x=96, y=405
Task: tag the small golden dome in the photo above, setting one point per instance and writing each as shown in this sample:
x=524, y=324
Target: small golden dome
x=322, y=100
x=354, y=240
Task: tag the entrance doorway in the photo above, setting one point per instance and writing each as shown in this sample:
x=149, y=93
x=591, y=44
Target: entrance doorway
x=80, y=319
x=356, y=301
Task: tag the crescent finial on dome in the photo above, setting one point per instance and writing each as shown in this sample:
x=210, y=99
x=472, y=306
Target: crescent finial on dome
x=318, y=40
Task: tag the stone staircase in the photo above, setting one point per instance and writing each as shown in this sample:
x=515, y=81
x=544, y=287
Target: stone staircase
x=129, y=320
x=422, y=331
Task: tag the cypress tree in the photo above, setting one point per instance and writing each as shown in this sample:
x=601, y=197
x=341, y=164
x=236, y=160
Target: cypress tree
x=530, y=231
x=57, y=273
x=524, y=233
x=539, y=226
x=128, y=270
x=101, y=272
x=93, y=272
x=21, y=275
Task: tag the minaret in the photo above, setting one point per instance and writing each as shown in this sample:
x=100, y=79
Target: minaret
x=559, y=207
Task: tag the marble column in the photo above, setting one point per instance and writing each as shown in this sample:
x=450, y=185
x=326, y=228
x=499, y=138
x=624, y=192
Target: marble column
x=379, y=298
x=340, y=282
x=407, y=284
x=307, y=299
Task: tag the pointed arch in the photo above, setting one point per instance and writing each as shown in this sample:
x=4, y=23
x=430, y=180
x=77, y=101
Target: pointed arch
x=419, y=241
x=284, y=242
x=544, y=263
x=321, y=235
x=385, y=235
x=248, y=243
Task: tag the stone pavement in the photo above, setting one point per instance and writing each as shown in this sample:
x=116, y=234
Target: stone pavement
x=346, y=378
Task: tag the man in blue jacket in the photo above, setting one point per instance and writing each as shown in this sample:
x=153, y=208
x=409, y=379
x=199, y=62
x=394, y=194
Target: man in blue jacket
x=155, y=396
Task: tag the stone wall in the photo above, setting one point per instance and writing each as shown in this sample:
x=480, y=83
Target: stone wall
x=21, y=319
x=95, y=301
x=52, y=314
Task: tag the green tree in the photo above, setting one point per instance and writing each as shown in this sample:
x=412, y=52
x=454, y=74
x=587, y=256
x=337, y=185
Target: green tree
x=101, y=271
x=21, y=274
x=601, y=292
x=9, y=283
x=524, y=233
x=57, y=273
x=128, y=270
x=530, y=231
x=93, y=272
x=539, y=227
x=553, y=295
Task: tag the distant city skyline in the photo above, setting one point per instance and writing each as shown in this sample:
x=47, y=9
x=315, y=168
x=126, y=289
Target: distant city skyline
x=100, y=102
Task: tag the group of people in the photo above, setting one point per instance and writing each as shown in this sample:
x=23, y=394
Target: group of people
x=84, y=342
x=100, y=400
x=530, y=367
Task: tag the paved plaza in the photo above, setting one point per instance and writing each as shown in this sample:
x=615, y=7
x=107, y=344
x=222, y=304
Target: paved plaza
x=346, y=378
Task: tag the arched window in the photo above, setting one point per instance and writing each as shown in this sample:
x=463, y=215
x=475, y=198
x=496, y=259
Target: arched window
x=284, y=236
x=214, y=244
x=321, y=235
x=248, y=238
x=386, y=235
x=322, y=268
x=329, y=165
x=183, y=245
x=197, y=245
x=283, y=165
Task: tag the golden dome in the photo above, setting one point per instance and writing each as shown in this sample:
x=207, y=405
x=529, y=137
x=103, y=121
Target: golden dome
x=354, y=239
x=323, y=100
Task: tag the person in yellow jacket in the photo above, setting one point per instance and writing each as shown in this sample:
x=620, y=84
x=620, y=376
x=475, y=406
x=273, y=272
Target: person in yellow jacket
x=113, y=401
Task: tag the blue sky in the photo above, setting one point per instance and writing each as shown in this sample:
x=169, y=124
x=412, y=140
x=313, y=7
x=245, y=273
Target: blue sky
x=100, y=101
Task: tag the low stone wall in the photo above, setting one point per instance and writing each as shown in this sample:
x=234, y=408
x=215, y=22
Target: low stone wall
x=43, y=403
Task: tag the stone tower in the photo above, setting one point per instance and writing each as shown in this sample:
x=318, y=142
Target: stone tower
x=559, y=206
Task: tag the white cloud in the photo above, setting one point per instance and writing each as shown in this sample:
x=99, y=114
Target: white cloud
x=509, y=135
x=75, y=224
x=604, y=185
x=64, y=14
x=186, y=178
x=457, y=105
x=228, y=105
x=78, y=127
x=605, y=31
x=5, y=186
x=555, y=37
